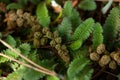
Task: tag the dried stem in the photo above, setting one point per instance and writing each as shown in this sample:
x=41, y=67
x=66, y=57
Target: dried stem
x=28, y=60
x=24, y=64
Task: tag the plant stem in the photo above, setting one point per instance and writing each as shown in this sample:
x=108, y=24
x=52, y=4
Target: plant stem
x=26, y=65
x=28, y=60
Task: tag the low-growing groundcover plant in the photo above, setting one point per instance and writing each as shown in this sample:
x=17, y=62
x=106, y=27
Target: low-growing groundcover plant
x=59, y=40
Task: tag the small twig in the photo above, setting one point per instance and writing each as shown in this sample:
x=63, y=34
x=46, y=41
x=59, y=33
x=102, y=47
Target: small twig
x=24, y=64
x=28, y=60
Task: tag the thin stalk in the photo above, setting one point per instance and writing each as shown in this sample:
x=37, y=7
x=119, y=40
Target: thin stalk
x=26, y=65
x=28, y=60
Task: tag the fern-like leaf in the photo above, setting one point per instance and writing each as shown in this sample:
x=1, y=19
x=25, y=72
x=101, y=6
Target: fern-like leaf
x=67, y=10
x=110, y=27
x=87, y=5
x=52, y=78
x=9, y=53
x=75, y=19
x=97, y=35
x=16, y=75
x=76, y=66
x=10, y=40
x=25, y=48
x=65, y=28
x=14, y=6
x=85, y=74
x=42, y=14
x=76, y=45
x=83, y=31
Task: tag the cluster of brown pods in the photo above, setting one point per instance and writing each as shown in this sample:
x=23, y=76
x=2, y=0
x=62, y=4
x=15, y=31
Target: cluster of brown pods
x=41, y=35
x=103, y=57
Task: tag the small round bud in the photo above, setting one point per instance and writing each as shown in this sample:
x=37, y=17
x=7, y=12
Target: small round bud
x=37, y=35
x=45, y=29
x=115, y=55
x=12, y=16
x=19, y=12
x=53, y=43
x=55, y=34
x=43, y=41
x=20, y=22
x=58, y=40
x=112, y=64
x=36, y=43
x=100, y=49
x=58, y=46
x=118, y=61
x=94, y=56
x=49, y=34
x=63, y=47
x=105, y=59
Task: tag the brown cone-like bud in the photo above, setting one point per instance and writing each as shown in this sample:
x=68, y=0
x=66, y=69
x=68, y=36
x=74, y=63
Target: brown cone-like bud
x=20, y=22
x=94, y=56
x=19, y=12
x=100, y=49
x=112, y=64
x=58, y=40
x=115, y=55
x=105, y=59
x=55, y=34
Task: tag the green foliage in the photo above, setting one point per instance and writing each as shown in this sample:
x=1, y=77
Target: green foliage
x=76, y=44
x=52, y=78
x=77, y=66
x=25, y=48
x=16, y=75
x=75, y=19
x=87, y=5
x=67, y=9
x=9, y=53
x=65, y=28
x=5, y=1
x=83, y=31
x=14, y=6
x=110, y=27
x=97, y=35
x=42, y=14
x=10, y=40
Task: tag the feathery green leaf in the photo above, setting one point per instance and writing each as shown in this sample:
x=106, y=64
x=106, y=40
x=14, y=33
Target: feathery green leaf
x=97, y=35
x=87, y=5
x=10, y=40
x=42, y=14
x=83, y=31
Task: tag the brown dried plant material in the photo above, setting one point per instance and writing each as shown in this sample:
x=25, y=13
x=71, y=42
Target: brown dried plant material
x=115, y=55
x=94, y=56
x=112, y=64
x=2, y=7
x=105, y=59
x=100, y=49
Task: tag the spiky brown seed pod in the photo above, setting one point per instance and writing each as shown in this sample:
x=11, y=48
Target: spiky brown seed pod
x=105, y=59
x=115, y=55
x=19, y=13
x=58, y=40
x=20, y=22
x=55, y=34
x=45, y=29
x=100, y=49
x=112, y=64
x=94, y=56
